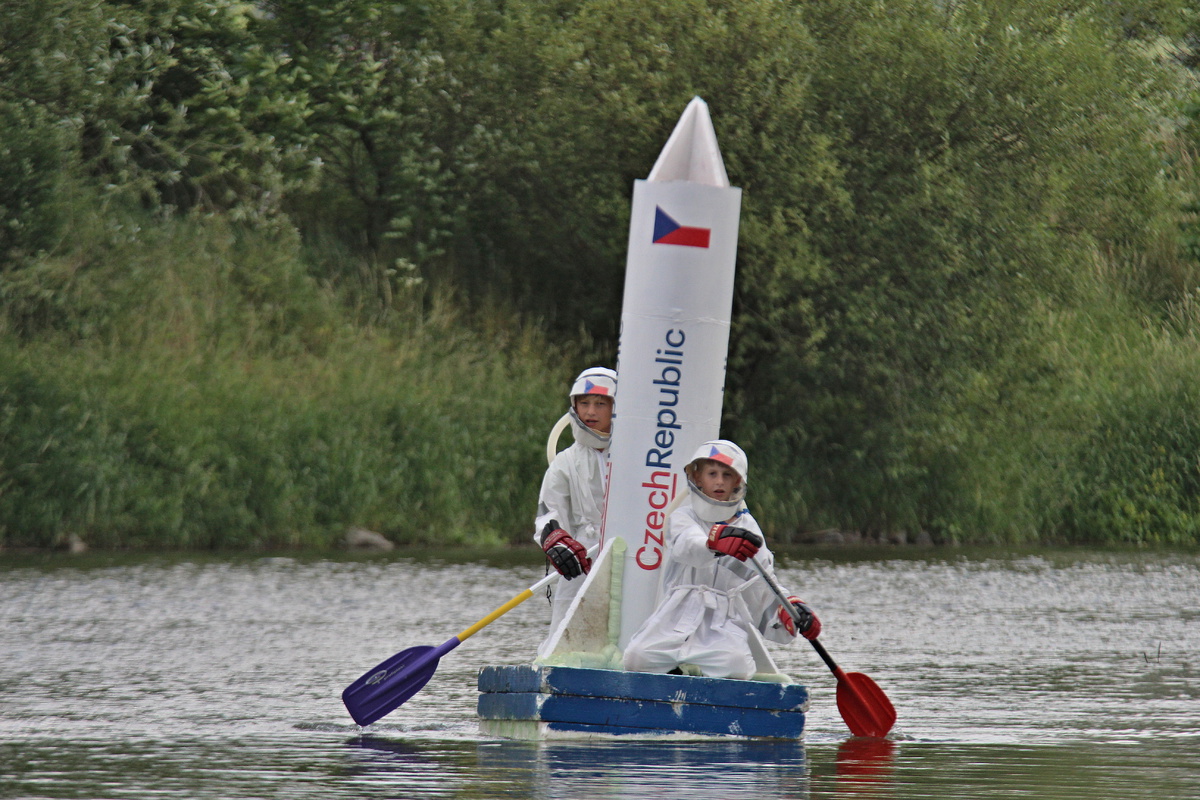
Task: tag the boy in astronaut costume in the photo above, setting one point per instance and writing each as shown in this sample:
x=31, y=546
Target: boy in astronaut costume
x=571, y=500
x=709, y=596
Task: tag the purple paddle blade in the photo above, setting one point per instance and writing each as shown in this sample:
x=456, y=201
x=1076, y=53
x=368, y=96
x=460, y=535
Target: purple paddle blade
x=386, y=687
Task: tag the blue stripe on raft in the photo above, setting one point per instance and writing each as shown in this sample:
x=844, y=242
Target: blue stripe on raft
x=644, y=686
x=646, y=715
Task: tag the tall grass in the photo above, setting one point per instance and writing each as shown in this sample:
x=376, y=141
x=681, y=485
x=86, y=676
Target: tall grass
x=1089, y=435
x=189, y=385
x=193, y=388
x=1087, y=431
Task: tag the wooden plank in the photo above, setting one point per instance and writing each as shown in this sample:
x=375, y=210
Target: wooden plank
x=648, y=715
x=644, y=686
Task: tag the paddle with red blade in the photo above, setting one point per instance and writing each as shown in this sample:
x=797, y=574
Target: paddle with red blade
x=390, y=684
x=866, y=710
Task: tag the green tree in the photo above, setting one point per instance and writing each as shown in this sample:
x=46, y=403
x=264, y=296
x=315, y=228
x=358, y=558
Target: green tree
x=174, y=102
x=989, y=153
x=390, y=89
x=598, y=96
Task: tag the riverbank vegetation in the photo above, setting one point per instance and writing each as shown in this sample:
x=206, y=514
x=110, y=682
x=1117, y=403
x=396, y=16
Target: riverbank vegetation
x=272, y=270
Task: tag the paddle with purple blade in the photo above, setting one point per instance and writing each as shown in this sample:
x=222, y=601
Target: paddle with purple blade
x=390, y=684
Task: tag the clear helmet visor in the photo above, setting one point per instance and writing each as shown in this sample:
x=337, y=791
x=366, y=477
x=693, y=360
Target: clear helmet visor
x=600, y=381
x=722, y=451
x=585, y=435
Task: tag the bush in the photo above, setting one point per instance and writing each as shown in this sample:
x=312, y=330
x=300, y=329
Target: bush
x=32, y=170
x=1136, y=476
x=223, y=401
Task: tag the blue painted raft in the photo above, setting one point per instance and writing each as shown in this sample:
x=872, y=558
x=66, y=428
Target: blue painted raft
x=537, y=702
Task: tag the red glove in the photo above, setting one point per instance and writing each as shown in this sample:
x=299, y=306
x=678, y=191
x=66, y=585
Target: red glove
x=726, y=540
x=805, y=620
x=568, y=556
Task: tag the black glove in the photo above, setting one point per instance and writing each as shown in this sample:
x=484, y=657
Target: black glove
x=805, y=622
x=568, y=556
x=726, y=540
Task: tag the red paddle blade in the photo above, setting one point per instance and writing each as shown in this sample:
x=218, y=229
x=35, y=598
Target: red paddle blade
x=865, y=708
x=384, y=688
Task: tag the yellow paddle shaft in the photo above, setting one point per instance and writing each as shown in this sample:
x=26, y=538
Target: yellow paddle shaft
x=516, y=601
x=499, y=612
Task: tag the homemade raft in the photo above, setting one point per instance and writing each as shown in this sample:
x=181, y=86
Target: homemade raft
x=531, y=702
x=675, y=322
x=577, y=688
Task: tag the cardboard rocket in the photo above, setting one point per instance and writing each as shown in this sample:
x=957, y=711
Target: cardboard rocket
x=673, y=344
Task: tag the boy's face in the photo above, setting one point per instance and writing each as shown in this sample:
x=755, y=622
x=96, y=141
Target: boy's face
x=716, y=480
x=595, y=411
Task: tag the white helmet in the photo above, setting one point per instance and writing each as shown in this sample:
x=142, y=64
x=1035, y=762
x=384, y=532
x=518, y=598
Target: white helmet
x=593, y=380
x=732, y=456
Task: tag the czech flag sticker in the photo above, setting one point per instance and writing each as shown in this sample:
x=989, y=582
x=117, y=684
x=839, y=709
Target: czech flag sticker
x=717, y=455
x=668, y=231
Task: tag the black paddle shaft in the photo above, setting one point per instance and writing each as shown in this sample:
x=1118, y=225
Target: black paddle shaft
x=820, y=648
x=778, y=590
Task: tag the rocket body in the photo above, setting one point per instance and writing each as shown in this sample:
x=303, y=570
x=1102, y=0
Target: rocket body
x=674, y=340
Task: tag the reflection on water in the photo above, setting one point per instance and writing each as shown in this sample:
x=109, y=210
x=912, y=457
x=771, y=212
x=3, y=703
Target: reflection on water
x=864, y=767
x=665, y=771
x=334, y=766
x=851, y=771
x=587, y=771
x=1045, y=676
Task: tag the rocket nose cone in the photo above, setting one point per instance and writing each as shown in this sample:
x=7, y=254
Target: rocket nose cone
x=691, y=153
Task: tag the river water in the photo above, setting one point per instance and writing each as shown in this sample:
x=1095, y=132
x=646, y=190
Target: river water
x=1015, y=675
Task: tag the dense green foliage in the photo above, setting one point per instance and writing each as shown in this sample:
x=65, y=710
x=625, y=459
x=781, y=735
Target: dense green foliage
x=269, y=270
x=204, y=415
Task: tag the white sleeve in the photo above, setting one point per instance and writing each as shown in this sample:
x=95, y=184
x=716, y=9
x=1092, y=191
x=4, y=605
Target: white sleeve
x=554, y=499
x=688, y=540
